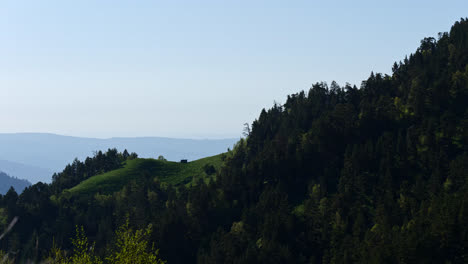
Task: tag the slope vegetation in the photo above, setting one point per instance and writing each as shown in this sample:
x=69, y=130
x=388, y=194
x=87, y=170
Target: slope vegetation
x=168, y=172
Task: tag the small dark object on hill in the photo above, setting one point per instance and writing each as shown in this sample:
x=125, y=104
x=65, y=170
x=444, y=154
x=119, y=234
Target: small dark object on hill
x=183, y=161
x=209, y=169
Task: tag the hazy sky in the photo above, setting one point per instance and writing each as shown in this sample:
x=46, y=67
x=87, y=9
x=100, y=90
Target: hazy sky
x=196, y=69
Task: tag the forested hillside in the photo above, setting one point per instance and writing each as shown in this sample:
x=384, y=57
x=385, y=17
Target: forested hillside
x=376, y=174
x=6, y=182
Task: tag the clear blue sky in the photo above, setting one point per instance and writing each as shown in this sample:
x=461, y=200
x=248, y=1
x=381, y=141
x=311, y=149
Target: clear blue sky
x=194, y=69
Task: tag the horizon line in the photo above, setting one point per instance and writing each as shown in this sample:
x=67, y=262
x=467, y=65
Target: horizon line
x=119, y=137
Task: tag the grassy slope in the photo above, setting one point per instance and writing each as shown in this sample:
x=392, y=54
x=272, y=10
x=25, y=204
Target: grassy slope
x=166, y=171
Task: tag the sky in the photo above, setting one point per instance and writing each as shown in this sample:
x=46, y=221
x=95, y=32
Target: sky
x=191, y=69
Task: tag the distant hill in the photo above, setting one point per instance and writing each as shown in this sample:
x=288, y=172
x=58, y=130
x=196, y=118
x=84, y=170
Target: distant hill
x=53, y=152
x=22, y=171
x=7, y=181
x=169, y=172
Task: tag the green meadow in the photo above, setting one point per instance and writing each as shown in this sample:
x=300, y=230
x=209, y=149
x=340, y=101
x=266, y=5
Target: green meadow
x=168, y=172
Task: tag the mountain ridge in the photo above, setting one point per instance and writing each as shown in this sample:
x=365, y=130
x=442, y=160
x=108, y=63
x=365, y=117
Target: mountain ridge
x=7, y=181
x=53, y=152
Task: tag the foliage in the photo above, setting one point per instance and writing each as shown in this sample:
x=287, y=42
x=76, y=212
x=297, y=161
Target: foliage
x=132, y=247
x=209, y=169
x=83, y=252
x=78, y=171
x=4, y=259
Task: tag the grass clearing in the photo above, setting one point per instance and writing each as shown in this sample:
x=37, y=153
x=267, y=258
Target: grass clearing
x=169, y=172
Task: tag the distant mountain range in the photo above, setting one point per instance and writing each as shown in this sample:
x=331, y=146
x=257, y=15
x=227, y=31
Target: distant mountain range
x=7, y=181
x=36, y=156
x=23, y=171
